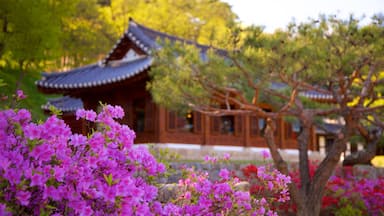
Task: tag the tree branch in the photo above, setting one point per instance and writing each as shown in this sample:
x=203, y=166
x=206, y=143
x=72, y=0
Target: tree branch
x=366, y=86
x=279, y=162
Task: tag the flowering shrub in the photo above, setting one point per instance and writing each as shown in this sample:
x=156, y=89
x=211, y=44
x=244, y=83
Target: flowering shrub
x=267, y=183
x=364, y=194
x=200, y=196
x=345, y=193
x=47, y=170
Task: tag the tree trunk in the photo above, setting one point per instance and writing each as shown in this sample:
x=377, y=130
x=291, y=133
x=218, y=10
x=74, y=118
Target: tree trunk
x=303, y=143
x=365, y=156
x=312, y=195
x=280, y=164
x=312, y=205
x=308, y=198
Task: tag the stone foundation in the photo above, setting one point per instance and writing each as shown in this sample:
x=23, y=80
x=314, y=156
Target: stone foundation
x=197, y=152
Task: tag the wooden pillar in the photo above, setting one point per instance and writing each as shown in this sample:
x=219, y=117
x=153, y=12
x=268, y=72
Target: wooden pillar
x=129, y=113
x=247, y=130
x=83, y=126
x=162, y=124
x=205, y=129
x=156, y=123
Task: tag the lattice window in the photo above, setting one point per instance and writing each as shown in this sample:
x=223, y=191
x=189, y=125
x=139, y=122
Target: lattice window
x=184, y=122
x=257, y=126
x=225, y=125
x=239, y=124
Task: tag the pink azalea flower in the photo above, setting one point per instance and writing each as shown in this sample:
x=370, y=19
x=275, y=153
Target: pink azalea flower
x=23, y=197
x=265, y=154
x=224, y=174
x=20, y=94
x=3, y=210
x=226, y=156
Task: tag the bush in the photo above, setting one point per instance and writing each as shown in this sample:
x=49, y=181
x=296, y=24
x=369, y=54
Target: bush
x=345, y=193
x=47, y=170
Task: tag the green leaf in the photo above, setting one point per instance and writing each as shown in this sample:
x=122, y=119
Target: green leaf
x=55, y=111
x=108, y=179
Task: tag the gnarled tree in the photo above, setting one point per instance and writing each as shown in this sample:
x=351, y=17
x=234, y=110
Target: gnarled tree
x=339, y=59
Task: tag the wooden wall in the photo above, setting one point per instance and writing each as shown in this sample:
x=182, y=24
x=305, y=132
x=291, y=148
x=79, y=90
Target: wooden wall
x=154, y=124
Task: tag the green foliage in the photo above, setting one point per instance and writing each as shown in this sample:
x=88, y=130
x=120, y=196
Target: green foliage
x=174, y=74
x=34, y=98
x=321, y=56
x=55, y=111
x=348, y=209
x=2, y=83
x=64, y=34
x=30, y=31
x=57, y=35
x=88, y=34
x=205, y=21
x=164, y=156
x=30, y=37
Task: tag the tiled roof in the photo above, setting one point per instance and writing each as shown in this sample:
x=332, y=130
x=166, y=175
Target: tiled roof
x=94, y=75
x=101, y=74
x=317, y=95
x=311, y=94
x=146, y=39
x=64, y=104
x=327, y=129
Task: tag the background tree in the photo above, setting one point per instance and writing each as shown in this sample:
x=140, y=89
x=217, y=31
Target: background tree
x=30, y=37
x=204, y=21
x=88, y=34
x=46, y=35
x=30, y=33
x=330, y=56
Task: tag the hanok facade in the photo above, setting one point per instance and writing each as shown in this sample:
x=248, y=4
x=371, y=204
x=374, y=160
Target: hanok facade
x=120, y=79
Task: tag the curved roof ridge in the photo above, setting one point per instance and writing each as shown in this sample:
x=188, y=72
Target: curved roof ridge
x=57, y=73
x=173, y=37
x=168, y=35
x=95, y=76
x=145, y=39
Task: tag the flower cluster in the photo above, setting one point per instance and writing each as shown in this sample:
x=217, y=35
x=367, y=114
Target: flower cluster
x=198, y=195
x=364, y=193
x=45, y=169
x=345, y=190
x=267, y=184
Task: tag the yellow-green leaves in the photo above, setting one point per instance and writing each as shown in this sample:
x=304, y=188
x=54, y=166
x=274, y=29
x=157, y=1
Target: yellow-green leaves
x=109, y=179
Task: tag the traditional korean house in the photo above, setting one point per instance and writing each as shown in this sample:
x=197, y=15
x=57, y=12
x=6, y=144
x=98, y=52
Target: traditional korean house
x=120, y=79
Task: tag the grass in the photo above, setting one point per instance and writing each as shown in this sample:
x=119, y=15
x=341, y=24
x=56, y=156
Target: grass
x=34, y=98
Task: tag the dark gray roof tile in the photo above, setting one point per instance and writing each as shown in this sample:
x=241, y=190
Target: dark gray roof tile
x=94, y=75
x=64, y=104
x=328, y=129
x=311, y=94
